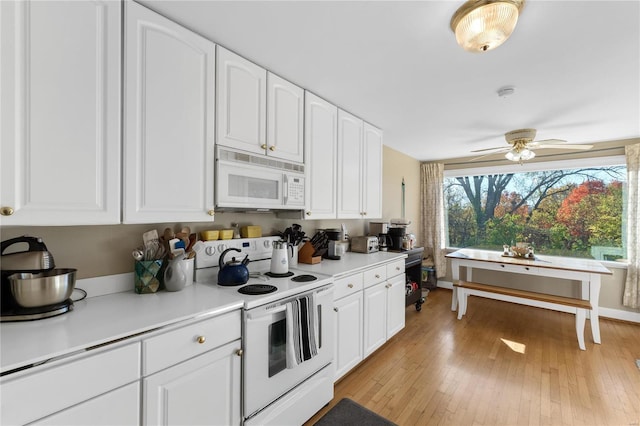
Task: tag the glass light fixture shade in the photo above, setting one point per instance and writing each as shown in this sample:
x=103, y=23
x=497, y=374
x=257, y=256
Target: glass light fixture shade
x=481, y=25
x=523, y=155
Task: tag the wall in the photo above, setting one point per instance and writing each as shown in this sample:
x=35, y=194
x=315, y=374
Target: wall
x=104, y=250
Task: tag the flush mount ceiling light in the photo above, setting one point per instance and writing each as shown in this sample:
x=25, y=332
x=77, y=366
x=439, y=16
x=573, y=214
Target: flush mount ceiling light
x=481, y=25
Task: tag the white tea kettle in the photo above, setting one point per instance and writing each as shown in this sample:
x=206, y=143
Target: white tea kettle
x=279, y=258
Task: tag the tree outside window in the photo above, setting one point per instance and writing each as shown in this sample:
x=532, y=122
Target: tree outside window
x=572, y=212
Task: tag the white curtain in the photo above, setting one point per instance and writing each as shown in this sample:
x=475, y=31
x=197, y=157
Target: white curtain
x=631, y=296
x=432, y=203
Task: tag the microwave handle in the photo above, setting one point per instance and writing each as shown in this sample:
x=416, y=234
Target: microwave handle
x=285, y=189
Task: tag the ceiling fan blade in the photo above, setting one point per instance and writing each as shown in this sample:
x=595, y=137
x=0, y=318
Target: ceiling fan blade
x=484, y=155
x=567, y=146
x=549, y=141
x=496, y=149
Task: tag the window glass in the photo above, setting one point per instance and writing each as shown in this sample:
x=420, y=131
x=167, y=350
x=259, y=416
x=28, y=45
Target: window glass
x=574, y=212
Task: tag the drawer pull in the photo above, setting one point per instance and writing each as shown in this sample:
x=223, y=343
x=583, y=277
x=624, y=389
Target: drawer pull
x=527, y=268
x=397, y=268
x=502, y=266
x=201, y=339
x=335, y=309
x=377, y=276
x=6, y=211
x=350, y=285
x=239, y=352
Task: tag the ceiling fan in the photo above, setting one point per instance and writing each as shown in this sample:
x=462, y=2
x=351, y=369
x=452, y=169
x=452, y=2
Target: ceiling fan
x=522, y=144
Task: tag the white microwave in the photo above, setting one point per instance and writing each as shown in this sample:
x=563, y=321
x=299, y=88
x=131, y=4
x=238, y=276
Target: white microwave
x=250, y=182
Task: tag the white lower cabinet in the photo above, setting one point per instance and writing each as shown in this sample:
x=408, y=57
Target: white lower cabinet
x=348, y=324
x=192, y=373
x=202, y=390
x=370, y=309
x=118, y=407
x=77, y=390
x=375, y=317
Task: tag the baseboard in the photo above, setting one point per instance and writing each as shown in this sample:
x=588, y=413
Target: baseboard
x=617, y=314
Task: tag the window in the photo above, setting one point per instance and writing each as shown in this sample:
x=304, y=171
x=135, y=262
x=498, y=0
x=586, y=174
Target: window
x=571, y=208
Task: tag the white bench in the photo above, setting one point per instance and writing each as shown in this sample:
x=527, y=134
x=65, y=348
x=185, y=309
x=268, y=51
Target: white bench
x=466, y=288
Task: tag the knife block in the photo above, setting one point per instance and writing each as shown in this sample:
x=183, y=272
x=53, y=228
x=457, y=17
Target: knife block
x=306, y=254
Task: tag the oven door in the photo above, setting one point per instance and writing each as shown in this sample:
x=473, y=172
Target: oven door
x=242, y=185
x=266, y=376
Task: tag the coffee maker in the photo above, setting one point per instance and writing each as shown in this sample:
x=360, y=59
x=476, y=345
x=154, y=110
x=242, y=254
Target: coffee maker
x=384, y=242
x=397, y=236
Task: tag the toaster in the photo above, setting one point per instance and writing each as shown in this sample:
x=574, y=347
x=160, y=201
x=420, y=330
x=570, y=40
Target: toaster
x=366, y=244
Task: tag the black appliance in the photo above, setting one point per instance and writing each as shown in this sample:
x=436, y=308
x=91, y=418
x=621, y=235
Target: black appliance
x=413, y=274
x=397, y=235
x=35, y=259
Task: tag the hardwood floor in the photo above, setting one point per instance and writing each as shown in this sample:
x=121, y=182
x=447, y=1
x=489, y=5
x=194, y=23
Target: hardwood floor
x=440, y=370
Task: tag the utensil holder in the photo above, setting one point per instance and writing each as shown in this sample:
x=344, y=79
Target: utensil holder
x=147, y=276
x=306, y=254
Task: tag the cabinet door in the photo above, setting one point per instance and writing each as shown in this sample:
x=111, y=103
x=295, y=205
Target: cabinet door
x=242, y=103
x=285, y=119
x=118, y=407
x=349, y=166
x=60, y=119
x=321, y=149
x=348, y=332
x=395, y=305
x=372, y=173
x=168, y=161
x=203, y=390
x=375, y=317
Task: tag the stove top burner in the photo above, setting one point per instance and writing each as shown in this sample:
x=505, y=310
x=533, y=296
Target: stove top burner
x=17, y=313
x=304, y=278
x=254, y=289
x=274, y=275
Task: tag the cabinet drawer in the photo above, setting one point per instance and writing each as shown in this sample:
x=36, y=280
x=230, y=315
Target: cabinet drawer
x=517, y=269
x=48, y=390
x=172, y=347
x=395, y=268
x=348, y=285
x=375, y=275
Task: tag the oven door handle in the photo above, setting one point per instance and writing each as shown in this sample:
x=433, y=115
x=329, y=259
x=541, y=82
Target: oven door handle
x=266, y=313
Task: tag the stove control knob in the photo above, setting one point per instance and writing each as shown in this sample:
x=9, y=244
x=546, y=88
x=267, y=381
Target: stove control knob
x=221, y=248
x=210, y=251
x=267, y=244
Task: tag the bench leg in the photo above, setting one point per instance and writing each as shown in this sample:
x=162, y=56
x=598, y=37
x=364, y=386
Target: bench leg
x=462, y=302
x=581, y=318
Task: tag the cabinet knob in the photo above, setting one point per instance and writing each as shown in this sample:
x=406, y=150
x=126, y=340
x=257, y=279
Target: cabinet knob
x=388, y=286
x=377, y=276
x=239, y=352
x=201, y=339
x=397, y=268
x=211, y=212
x=308, y=213
x=335, y=309
x=364, y=213
x=350, y=285
x=6, y=211
x=272, y=148
x=263, y=146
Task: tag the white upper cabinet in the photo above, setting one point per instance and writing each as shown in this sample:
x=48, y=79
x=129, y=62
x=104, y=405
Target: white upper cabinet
x=359, y=168
x=169, y=121
x=350, y=132
x=321, y=146
x=285, y=119
x=60, y=119
x=242, y=103
x=372, y=173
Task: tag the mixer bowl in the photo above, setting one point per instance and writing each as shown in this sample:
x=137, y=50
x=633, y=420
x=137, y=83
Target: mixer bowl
x=42, y=289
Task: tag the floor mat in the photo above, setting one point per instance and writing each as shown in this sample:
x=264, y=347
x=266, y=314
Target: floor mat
x=347, y=412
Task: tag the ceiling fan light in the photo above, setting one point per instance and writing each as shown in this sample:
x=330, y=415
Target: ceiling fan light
x=513, y=156
x=481, y=25
x=526, y=154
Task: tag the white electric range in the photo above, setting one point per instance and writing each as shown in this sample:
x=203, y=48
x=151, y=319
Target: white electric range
x=277, y=387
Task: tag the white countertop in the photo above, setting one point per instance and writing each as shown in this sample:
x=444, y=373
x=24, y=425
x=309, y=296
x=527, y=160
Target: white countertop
x=350, y=263
x=102, y=319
